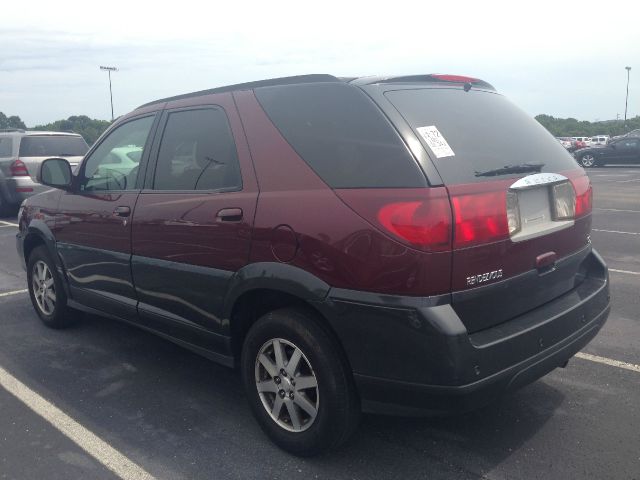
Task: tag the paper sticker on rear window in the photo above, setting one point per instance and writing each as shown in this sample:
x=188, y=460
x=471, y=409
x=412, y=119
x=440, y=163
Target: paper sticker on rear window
x=436, y=141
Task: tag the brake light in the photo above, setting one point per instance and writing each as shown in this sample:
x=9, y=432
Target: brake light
x=480, y=218
x=584, y=195
x=18, y=169
x=424, y=224
x=454, y=78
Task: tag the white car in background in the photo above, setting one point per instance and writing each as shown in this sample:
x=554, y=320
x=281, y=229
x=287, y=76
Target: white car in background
x=599, y=140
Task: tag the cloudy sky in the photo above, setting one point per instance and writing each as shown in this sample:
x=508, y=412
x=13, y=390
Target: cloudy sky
x=564, y=58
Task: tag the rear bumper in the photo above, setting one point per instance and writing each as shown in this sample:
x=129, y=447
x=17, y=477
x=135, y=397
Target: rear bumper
x=17, y=189
x=416, y=357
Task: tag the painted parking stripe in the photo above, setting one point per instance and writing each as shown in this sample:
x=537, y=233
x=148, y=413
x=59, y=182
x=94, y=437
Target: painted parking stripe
x=624, y=271
x=615, y=231
x=609, y=361
x=15, y=292
x=8, y=224
x=617, y=210
x=104, y=453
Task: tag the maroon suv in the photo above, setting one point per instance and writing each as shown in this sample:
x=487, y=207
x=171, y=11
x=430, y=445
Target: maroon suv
x=395, y=245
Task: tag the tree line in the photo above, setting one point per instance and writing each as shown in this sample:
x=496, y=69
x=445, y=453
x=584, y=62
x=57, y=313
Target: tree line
x=570, y=127
x=89, y=128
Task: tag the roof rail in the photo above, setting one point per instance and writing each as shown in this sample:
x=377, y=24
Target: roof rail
x=272, y=82
x=21, y=130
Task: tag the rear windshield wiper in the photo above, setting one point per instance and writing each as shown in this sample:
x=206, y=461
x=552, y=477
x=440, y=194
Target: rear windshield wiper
x=520, y=168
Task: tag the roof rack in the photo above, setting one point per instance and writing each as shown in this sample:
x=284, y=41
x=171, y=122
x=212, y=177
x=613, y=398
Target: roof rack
x=313, y=78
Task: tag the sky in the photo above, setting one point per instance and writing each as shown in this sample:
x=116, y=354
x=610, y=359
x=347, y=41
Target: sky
x=563, y=58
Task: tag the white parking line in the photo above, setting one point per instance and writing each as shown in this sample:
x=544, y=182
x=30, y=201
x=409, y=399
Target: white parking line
x=615, y=231
x=15, y=292
x=122, y=466
x=624, y=271
x=8, y=224
x=617, y=210
x=608, y=361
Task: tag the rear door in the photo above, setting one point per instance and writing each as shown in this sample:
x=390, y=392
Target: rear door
x=192, y=224
x=93, y=227
x=629, y=150
x=503, y=172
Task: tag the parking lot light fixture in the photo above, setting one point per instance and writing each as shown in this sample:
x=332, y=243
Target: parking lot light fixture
x=109, y=70
x=626, y=100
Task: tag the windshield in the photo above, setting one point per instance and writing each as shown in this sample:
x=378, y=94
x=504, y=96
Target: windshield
x=53, y=146
x=478, y=131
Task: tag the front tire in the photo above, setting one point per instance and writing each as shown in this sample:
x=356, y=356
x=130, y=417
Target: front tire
x=298, y=384
x=47, y=293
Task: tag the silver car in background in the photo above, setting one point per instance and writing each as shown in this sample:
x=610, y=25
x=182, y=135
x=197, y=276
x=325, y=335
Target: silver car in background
x=21, y=153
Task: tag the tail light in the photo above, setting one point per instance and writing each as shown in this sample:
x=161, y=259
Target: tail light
x=563, y=201
x=480, y=218
x=423, y=224
x=584, y=195
x=18, y=169
x=513, y=213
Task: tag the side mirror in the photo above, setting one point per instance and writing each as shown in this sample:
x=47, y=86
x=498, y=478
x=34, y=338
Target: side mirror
x=56, y=173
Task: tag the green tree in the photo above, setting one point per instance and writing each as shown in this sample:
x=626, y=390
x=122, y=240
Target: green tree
x=570, y=127
x=89, y=128
x=11, y=122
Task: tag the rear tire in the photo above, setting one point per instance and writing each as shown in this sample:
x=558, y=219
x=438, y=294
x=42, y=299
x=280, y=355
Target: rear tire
x=307, y=403
x=588, y=160
x=47, y=292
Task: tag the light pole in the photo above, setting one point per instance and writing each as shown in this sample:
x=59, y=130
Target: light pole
x=114, y=69
x=626, y=100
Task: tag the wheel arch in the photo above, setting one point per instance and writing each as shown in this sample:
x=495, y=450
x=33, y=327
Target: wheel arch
x=267, y=286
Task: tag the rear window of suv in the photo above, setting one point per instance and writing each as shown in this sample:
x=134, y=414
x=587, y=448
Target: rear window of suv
x=484, y=130
x=342, y=135
x=53, y=146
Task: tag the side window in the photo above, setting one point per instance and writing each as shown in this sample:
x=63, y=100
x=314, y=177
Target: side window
x=114, y=164
x=6, y=145
x=197, y=152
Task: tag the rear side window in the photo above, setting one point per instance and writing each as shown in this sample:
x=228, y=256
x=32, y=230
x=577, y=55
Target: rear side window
x=484, y=130
x=197, y=152
x=5, y=146
x=341, y=135
x=53, y=146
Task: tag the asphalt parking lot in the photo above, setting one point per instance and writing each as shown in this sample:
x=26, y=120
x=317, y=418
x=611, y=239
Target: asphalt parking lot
x=153, y=409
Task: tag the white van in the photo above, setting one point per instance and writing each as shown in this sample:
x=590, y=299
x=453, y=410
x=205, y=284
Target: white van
x=599, y=140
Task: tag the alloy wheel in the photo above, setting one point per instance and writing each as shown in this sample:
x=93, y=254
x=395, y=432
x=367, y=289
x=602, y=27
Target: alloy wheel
x=587, y=160
x=44, y=290
x=287, y=385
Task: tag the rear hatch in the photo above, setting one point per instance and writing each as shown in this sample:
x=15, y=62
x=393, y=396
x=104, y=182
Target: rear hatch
x=36, y=148
x=521, y=205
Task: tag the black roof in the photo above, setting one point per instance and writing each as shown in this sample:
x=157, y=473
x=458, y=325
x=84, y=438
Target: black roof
x=318, y=78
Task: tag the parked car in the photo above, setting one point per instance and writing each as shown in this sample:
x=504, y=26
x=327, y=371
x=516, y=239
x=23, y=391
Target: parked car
x=599, y=140
x=580, y=142
x=621, y=150
x=367, y=244
x=21, y=152
x=568, y=143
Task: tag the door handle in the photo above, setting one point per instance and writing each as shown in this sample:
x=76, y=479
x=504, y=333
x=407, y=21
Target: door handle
x=229, y=215
x=122, y=211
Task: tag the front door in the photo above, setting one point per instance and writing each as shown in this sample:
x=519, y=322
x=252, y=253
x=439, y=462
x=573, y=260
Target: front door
x=192, y=225
x=93, y=228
